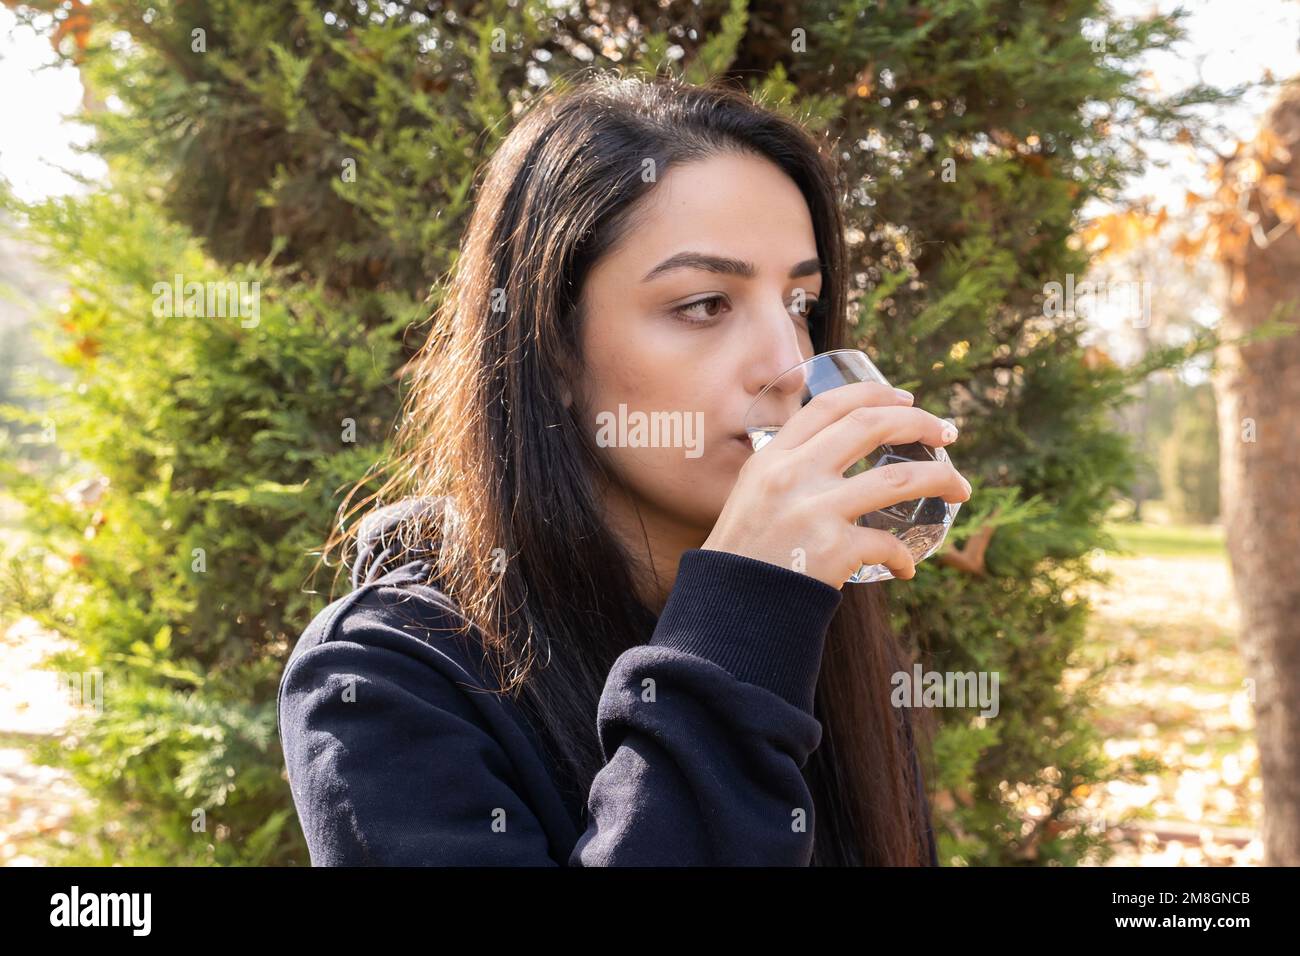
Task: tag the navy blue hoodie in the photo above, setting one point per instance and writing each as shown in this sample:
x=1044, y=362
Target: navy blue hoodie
x=395, y=758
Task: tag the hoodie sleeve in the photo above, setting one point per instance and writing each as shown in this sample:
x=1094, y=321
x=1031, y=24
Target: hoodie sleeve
x=704, y=730
x=707, y=726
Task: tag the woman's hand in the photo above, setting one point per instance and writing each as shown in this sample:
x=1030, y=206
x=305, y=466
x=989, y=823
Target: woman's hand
x=793, y=493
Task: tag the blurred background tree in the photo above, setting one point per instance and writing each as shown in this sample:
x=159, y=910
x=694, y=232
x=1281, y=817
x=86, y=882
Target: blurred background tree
x=1252, y=229
x=329, y=150
x=1189, y=458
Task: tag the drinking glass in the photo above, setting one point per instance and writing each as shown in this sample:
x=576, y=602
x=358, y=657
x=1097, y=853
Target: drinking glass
x=920, y=523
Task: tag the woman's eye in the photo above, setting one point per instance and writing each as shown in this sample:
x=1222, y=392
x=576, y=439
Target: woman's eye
x=691, y=312
x=810, y=308
x=697, y=318
x=812, y=312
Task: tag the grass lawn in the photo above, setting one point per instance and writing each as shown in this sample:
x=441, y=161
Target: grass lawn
x=1160, y=540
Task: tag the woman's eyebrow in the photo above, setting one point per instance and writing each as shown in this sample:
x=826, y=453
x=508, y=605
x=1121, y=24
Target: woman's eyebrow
x=724, y=265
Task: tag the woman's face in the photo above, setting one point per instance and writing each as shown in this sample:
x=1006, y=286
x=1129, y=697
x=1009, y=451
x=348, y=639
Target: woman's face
x=705, y=302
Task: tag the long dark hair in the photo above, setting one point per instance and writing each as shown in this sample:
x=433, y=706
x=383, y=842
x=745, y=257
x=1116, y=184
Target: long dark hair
x=530, y=563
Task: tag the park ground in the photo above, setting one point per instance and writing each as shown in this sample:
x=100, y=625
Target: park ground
x=1181, y=696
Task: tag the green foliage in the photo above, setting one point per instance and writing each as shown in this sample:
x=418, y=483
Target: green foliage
x=327, y=151
x=222, y=446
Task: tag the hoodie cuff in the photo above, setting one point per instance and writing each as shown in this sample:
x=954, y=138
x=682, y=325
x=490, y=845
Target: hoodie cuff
x=763, y=623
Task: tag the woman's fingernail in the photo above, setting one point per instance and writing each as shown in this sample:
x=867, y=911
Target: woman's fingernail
x=904, y=394
x=949, y=433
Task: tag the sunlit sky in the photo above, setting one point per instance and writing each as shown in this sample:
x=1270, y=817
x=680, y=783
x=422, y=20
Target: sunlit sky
x=1228, y=42
x=36, y=138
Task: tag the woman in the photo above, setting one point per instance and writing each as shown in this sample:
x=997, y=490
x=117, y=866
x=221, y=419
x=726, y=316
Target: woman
x=562, y=649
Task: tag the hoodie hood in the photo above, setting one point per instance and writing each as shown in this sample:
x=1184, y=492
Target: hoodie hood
x=380, y=538
x=380, y=546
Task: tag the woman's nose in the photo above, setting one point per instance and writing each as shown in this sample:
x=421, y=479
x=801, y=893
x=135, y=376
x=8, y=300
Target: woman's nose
x=777, y=349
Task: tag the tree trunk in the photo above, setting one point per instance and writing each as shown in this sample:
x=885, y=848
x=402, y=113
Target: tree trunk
x=1258, y=388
